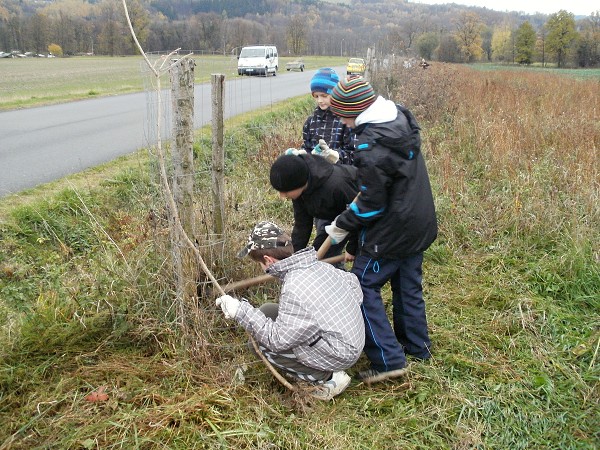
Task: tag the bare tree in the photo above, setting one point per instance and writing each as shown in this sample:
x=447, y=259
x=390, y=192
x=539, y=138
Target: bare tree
x=296, y=35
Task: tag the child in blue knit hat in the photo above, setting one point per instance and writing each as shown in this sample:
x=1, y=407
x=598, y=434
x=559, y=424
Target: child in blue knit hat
x=323, y=124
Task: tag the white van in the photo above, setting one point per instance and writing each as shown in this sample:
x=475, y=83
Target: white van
x=258, y=59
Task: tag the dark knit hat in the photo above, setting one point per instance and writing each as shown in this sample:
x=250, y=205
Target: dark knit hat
x=324, y=80
x=351, y=96
x=288, y=172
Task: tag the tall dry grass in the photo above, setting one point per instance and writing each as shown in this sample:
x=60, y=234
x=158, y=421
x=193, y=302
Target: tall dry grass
x=535, y=136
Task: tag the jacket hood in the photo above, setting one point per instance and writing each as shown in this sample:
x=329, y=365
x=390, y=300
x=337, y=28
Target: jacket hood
x=401, y=135
x=380, y=111
x=300, y=260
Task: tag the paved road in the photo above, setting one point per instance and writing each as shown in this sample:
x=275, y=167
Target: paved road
x=43, y=144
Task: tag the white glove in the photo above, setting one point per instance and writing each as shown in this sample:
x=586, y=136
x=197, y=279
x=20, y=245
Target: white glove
x=295, y=151
x=322, y=149
x=336, y=234
x=229, y=305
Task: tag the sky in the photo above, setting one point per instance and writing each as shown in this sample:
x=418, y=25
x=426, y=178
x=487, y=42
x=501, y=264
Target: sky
x=577, y=7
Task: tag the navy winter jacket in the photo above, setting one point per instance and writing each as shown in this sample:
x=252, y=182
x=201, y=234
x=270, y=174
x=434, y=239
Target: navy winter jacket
x=395, y=214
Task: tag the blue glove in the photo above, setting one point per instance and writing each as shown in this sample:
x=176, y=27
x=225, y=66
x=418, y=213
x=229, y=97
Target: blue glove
x=295, y=151
x=322, y=149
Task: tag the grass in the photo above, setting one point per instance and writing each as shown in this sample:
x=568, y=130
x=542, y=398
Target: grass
x=511, y=288
x=581, y=74
x=28, y=82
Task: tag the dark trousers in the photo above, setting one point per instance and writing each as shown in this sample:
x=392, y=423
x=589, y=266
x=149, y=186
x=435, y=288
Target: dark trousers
x=384, y=345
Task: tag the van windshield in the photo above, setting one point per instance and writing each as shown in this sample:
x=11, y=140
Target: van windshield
x=252, y=52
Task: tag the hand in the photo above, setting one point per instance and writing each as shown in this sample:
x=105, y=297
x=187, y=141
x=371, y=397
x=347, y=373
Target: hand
x=322, y=149
x=336, y=234
x=229, y=305
x=349, y=257
x=295, y=151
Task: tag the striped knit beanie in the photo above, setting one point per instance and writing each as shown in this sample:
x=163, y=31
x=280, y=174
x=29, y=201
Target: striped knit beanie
x=324, y=80
x=351, y=97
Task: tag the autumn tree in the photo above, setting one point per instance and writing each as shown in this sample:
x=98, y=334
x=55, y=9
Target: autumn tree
x=55, y=49
x=141, y=24
x=502, y=44
x=38, y=33
x=561, y=35
x=468, y=36
x=588, y=50
x=524, y=43
x=68, y=24
x=111, y=38
x=296, y=35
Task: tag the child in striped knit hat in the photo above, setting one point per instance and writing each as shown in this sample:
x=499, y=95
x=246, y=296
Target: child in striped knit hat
x=396, y=221
x=322, y=124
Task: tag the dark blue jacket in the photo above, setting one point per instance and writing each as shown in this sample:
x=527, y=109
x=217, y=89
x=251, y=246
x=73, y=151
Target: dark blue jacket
x=394, y=215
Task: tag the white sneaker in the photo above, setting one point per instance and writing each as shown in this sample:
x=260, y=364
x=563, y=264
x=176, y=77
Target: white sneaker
x=329, y=389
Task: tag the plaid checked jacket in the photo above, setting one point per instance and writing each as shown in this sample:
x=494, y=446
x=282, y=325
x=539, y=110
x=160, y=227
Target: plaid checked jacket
x=319, y=319
x=325, y=125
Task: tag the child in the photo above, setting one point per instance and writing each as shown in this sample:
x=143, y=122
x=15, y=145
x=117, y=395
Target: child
x=322, y=124
x=395, y=216
x=316, y=331
x=319, y=191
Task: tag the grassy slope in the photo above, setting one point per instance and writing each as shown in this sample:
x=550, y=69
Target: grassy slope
x=511, y=287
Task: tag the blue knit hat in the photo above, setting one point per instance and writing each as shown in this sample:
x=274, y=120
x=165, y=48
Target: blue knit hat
x=324, y=80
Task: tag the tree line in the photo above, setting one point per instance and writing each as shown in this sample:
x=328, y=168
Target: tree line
x=449, y=33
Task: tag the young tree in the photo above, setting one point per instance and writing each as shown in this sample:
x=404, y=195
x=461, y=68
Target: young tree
x=540, y=45
x=502, y=44
x=426, y=44
x=525, y=43
x=448, y=50
x=468, y=36
x=561, y=35
x=486, y=35
x=55, y=49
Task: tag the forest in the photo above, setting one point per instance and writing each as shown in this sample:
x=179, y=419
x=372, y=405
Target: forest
x=448, y=33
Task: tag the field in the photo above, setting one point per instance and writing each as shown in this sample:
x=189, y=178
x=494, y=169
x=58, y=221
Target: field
x=94, y=354
x=27, y=82
x=581, y=74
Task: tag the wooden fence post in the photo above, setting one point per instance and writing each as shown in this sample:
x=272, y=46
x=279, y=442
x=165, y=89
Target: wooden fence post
x=182, y=92
x=218, y=156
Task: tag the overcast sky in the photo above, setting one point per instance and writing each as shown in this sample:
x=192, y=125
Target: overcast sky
x=577, y=7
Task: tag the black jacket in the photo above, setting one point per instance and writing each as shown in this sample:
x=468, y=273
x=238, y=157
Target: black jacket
x=395, y=214
x=331, y=188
